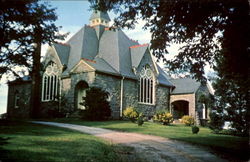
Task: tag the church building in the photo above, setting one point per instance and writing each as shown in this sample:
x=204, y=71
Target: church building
x=102, y=56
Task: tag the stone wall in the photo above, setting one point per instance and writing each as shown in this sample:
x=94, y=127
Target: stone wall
x=186, y=97
x=23, y=90
x=130, y=98
x=112, y=85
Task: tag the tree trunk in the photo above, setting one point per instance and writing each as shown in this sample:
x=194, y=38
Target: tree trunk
x=35, y=101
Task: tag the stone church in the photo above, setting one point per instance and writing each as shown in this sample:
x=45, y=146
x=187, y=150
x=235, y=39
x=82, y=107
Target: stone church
x=102, y=56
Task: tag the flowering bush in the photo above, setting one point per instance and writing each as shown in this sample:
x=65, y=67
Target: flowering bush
x=187, y=120
x=163, y=117
x=131, y=114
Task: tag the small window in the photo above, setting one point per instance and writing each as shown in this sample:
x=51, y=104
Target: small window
x=102, y=21
x=93, y=21
x=97, y=21
x=17, y=99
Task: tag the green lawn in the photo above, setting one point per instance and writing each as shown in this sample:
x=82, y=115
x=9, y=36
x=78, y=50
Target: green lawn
x=225, y=145
x=22, y=141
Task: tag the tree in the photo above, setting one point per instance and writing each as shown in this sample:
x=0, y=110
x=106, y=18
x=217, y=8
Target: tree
x=24, y=26
x=209, y=29
x=96, y=104
x=231, y=99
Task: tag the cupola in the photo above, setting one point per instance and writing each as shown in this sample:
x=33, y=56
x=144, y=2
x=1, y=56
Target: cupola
x=99, y=18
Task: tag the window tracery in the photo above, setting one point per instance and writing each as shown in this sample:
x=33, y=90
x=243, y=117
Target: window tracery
x=50, y=83
x=147, y=91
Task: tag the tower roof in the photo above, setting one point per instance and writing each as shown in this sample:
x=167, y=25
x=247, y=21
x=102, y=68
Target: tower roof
x=99, y=14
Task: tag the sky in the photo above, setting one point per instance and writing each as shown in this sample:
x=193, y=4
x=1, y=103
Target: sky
x=72, y=15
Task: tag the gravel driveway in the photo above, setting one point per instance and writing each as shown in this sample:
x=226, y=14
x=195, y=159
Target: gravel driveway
x=147, y=147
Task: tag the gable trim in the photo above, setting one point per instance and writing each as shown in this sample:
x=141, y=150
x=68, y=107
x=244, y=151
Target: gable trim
x=81, y=61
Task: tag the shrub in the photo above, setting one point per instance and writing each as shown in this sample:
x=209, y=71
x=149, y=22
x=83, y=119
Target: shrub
x=195, y=129
x=163, y=117
x=96, y=104
x=131, y=114
x=187, y=120
x=140, y=120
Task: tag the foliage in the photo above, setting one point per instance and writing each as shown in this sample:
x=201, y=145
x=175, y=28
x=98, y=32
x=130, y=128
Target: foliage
x=97, y=106
x=163, y=117
x=187, y=120
x=140, y=119
x=195, y=129
x=232, y=97
x=131, y=114
x=24, y=24
x=216, y=121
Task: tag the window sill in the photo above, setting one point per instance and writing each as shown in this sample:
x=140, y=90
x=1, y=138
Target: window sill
x=142, y=103
x=49, y=101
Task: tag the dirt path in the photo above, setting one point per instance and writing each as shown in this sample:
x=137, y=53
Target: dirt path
x=147, y=147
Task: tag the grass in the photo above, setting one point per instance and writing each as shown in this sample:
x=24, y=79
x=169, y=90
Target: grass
x=22, y=141
x=232, y=147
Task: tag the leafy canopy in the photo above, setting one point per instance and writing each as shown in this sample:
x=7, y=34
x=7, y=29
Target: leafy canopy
x=21, y=22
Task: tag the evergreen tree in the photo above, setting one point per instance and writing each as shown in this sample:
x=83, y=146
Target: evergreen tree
x=24, y=26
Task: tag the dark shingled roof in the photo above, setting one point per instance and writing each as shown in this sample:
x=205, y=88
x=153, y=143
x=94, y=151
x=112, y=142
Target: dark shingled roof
x=106, y=50
x=100, y=14
x=163, y=78
x=185, y=85
x=136, y=54
x=63, y=52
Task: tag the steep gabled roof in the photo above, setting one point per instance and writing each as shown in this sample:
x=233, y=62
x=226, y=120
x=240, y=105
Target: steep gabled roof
x=185, y=85
x=137, y=52
x=163, y=78
x=84, y=44
x=62, y=51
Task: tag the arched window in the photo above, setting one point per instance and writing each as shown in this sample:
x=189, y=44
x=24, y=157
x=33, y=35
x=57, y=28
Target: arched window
x=147, y=90
x=50, y=83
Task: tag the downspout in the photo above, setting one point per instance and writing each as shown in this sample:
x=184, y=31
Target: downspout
x=121, y=96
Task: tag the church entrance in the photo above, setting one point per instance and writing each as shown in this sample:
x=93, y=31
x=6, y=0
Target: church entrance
x=180, y=108
x=80, y=93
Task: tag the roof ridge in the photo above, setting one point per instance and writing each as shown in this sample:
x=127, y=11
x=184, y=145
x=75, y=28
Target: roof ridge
x=64, y=44
x=85, y=59
x=139, y=45
x=76, y=33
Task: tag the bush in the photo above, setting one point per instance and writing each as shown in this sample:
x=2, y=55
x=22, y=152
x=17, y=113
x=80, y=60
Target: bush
x=195, y=129
x=163, y=117
x=140, y=120
x=187, y=120
x=131, y=114
x=96, y=104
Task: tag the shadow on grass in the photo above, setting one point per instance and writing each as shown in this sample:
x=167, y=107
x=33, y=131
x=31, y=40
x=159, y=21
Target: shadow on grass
x=222, y=146
x=29, y=142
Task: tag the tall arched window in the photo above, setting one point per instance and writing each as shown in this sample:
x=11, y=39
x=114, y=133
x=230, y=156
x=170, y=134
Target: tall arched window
x=50, y=83
x=147, y=91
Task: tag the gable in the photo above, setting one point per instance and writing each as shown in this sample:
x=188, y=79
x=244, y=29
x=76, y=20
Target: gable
x=81, y=67
x=52, y=56
x=148, y=60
